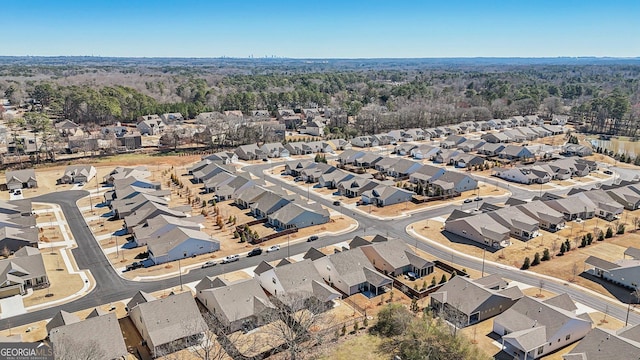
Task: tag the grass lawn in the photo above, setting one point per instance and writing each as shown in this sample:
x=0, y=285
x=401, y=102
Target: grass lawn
x=362, y=347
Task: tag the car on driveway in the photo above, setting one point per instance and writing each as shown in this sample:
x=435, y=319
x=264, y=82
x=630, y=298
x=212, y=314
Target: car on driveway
x=412, y=276
x=312, y=238
x=466, y=201
x=254, y=252
x=230, y=258
x=209, y=264
x=17, y=192
x=273, y=248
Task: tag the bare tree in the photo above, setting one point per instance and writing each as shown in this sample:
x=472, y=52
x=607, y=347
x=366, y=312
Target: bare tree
x=297, y=323
x=71, y=349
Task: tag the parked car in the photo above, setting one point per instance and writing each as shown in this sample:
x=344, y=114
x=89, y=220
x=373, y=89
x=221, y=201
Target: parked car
x=336, y=203
x=135, y=265
x=11, y=191
x=466, y=201
x=209, y=264
x=312, y=238
x=412, y=276
x=18, y=192
x=478, y=199
x=230, y=258
x=273, y=248
x=254, y=252
x=608, y=172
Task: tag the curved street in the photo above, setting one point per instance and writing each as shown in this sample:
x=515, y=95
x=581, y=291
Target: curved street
x=110, y=287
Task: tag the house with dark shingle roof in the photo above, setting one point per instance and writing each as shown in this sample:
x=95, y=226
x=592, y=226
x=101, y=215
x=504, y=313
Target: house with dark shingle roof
x=394, y=257
x=298, y=216
x=465, y=302
x=77, y=174
x=624, y=272
x=180, y=243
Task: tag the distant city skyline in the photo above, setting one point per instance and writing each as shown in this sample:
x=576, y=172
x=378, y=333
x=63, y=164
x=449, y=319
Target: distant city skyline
x=321, y=29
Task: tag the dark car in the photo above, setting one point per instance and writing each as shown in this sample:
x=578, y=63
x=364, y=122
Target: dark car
x=412, y=276
x=135, y=265
x=336, y=203
x=466, y=201
x=478, y=199
x=312, y=238
x=254, y=252
x=608, y=172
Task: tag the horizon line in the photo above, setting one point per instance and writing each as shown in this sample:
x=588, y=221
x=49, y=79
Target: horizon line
x=330, y=58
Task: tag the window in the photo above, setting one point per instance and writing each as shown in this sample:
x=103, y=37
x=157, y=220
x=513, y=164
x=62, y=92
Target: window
x=568, y=337
x=540, y=350
x=273, y=280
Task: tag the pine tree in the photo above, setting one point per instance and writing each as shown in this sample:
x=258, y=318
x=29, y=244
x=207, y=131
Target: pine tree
x=567, y=244
x=433, y=281
x=526, y=264
x=545, y=255
x=609, y=233
x=563, y=248
x=536, y=260
x=583, y=242
x=443, y=279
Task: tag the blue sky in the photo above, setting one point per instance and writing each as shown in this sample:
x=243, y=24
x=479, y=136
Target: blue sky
x=322, y=29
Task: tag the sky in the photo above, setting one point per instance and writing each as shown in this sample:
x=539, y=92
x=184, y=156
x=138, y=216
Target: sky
x=321, y=29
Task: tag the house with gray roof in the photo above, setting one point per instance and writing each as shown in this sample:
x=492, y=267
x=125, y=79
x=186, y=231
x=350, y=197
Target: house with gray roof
x=548, y=219
x=605, y=344
x=404, y=148
x=161, y=224
x=240, y=305
x=605, y=206
x=514, y=152
x=77, y=174
x=393, y=257
x=426, y=174
x=120, y=172
x=21, y=179
x=137, y=182
x=425, y=152
x=211, y=170
x=169, y=324
x=356, y=186
x=269, y=203
x=573, y=208
x=332, y=179
x=274, y=150
x=250, y=196
x=364, y=141
x=15, y=238
x=520, y=224
x=480, y=228
x=151, y=126
x=532, y=328
x=61, y=318
x=514, y=135
x=150, y=210
x=122, y=208
x=624, y=272
x=627, y=196
x=491, y=149
x=351, y=272
x=95, y=337
x=180, y=243
x=233, y=188
x=294, y=284
x=464, y=302
x=247, y=152
x=297, y=216
x=401, y=169
x=383, y=195
x=295, y=167
x=495, y=138
x=24, y=270
x=369, y=160
x=455, y=182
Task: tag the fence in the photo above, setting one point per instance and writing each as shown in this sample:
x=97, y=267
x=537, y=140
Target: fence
x=276, y=235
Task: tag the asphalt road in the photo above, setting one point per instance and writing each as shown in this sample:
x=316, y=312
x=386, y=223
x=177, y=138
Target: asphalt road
x=110, y=287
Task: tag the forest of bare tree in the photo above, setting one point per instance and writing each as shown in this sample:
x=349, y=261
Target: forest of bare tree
x=378, y=94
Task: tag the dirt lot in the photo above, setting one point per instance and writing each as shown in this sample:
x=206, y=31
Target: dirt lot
x=562, y=267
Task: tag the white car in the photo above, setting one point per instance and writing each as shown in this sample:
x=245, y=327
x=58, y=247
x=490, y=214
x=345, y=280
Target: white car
x=273, y=248
x=230, y=258
x=209, y=264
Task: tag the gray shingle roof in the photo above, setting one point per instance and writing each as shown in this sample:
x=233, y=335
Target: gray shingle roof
x=603, y=344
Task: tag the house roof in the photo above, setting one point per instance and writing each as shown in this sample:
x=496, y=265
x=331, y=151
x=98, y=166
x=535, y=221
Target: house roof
x=351, y=265
x=21, y=175
x=601, y=263
x=171, y=318
x=166, y=242
x=262, y=267
x=103, y=332
x=532, y=322
x=313, y=254
x=60, y=319
x=467, y=295
x=303, y=278
x=563, y=301
x=393, y=251
x=633, y=252
x=139, y=298
x=358, y=241
x=238, y=300
x=604, y=344
x=27, y=263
